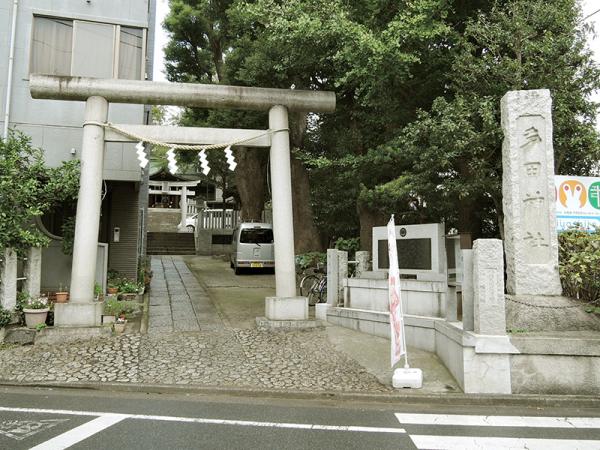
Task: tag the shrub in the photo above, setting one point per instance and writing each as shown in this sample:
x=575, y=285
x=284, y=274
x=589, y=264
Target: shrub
x=350, y=245
x=579, y=264
x=5, y=316
x=311, y=259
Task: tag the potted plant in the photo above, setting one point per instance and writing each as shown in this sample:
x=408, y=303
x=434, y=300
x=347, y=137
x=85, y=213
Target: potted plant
x=112, y=308
x=128, y=289
x=98, y=292
x=36, y=311
x=62, y=295
x=120, y=323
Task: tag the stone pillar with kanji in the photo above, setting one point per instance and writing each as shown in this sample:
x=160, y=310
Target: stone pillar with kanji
x=530, y=236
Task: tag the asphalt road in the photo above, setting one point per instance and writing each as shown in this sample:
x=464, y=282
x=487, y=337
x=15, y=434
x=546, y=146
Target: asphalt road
x=54, y=419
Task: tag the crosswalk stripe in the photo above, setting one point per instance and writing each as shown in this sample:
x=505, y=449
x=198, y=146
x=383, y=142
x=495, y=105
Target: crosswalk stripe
x=493, y=443
x=499, y=421
x=81, y=432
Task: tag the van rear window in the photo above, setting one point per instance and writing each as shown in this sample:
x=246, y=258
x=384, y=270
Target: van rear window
x=256, y=236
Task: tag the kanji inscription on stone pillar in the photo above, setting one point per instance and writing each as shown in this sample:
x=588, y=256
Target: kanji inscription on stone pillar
x=528, y=194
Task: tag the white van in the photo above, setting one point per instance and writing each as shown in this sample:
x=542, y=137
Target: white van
x=252, y=247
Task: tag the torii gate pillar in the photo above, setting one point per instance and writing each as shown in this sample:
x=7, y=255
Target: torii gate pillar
x=82, y=310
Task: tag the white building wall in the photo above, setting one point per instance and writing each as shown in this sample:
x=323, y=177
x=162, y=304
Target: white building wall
x=55, y=126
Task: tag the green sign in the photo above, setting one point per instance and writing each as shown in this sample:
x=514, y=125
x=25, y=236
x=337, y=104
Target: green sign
x=594, y=194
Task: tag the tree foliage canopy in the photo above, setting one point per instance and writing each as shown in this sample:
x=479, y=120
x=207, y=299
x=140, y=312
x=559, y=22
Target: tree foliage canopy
x=417, y=130
x=28, y=189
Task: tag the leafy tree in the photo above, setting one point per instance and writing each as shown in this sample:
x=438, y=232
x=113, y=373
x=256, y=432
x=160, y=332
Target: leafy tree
x=452, y=152
x=28, y=189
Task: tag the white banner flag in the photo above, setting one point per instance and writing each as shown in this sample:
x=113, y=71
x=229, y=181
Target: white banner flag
x=396, y=317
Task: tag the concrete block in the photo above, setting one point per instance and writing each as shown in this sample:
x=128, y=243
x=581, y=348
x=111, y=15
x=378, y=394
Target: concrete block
x=321, y=311
x=86, y=314
x=488, y=287
x=286, y=308
x=528, y=194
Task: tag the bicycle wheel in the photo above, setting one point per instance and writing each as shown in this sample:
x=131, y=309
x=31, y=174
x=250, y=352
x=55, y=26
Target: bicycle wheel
x=307, y=283
x=323, y=290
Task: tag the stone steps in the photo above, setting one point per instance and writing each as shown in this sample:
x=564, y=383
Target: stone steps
x=160, y=243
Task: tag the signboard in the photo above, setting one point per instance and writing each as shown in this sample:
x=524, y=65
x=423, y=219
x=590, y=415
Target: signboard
x=396, y=318
x=577, y=202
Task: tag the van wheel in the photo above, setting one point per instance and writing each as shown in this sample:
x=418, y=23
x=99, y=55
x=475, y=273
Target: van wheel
x=237, y=270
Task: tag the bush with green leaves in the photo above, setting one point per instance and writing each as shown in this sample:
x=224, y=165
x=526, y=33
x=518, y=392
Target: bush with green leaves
x=579, y=264
x=29, y=189
x=5, y=316
x=114, y=307
x=311, y=259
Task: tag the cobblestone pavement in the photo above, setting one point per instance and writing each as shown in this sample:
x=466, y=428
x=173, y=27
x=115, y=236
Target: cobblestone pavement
x=188, y=343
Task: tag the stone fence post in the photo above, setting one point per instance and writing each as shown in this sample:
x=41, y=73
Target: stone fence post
x=8, y=277
x=33, y=271
x=337, y=270
x=488, y=287
x=362, y=262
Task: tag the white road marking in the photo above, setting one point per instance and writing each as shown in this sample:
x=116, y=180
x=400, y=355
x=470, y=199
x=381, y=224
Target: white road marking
x=493, y=443
x=80, y=433
x=246, y=423
x=499, y=421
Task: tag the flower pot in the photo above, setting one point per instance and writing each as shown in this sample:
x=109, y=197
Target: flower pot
x=112, y=290
x=62, y=297
x=108, y=318
x=34, y=317
x=119, y=327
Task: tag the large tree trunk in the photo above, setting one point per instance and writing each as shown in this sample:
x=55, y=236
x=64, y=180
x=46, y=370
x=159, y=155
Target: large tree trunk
x=368, y=219
x=250, y=178
x=306, y=234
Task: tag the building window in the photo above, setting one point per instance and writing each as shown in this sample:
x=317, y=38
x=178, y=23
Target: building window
x=52, y=46
x=87, y=49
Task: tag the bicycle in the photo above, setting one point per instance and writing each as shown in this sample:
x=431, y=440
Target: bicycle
x=314, y=286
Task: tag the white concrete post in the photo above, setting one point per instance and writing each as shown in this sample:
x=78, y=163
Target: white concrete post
x=33, y=271
x=528, y=194
x=333, y=270
x=81, y=310
x=488, y=287
x=342, y=257
x=8, y=274
x=362, y=259
x=281, y=186
x=467, y=290
x=183, y=205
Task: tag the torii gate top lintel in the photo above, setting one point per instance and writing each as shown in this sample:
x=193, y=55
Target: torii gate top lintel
x=179, y=94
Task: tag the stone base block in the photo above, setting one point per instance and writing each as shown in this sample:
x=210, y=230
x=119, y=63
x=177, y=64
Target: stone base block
x=286, y=308
x=527, y=313
x=21, y=336
x=54, y=335
x=321, y=311
x=264, y=323
x=78, y=314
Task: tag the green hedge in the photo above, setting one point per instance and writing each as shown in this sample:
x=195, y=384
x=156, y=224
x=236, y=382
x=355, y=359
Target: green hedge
x=579, y=263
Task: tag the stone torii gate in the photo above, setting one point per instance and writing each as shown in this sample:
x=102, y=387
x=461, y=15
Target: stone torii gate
x=98, y=93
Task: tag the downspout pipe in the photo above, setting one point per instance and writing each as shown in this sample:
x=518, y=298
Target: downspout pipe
x=11, y=58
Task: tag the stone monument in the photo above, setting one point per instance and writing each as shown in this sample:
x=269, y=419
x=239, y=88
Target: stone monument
x=528, y=194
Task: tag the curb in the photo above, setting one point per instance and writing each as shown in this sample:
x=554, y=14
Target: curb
x=529, y=400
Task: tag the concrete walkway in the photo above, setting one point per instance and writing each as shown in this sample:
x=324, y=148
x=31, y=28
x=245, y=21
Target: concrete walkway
x=201, y=333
